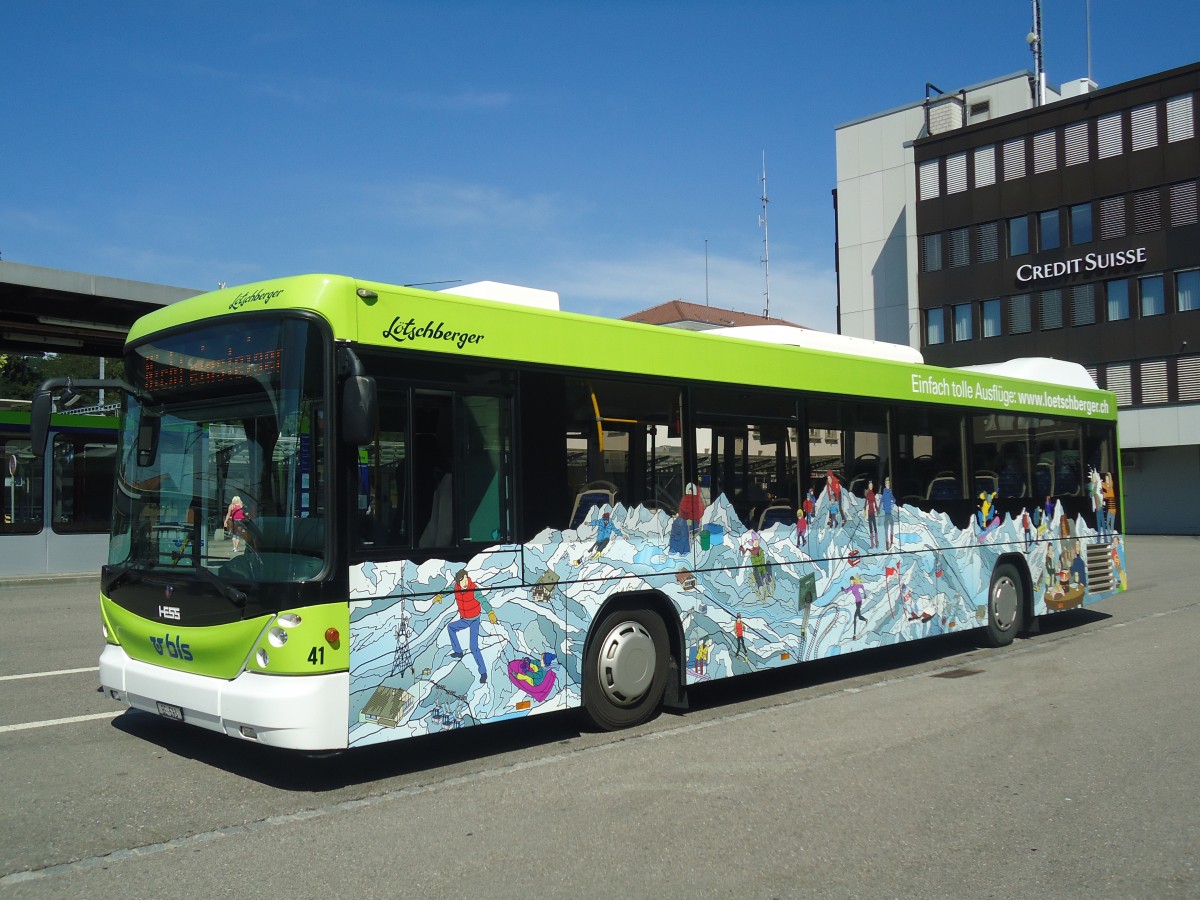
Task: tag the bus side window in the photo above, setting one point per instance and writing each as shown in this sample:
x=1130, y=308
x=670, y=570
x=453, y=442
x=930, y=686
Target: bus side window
x=383, y=514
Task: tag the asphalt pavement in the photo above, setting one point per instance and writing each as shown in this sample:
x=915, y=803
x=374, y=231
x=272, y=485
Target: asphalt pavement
x=1065, y=765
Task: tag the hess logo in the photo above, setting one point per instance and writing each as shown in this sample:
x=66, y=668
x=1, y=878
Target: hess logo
x=169, y=612
x=172, y=648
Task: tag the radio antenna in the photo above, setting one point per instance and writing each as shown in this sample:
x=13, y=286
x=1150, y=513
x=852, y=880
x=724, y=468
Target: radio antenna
x=706, y=271
x=766, y=257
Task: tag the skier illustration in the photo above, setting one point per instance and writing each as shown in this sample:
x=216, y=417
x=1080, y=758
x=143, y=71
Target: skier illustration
x=856, y=588
x=605, y=529
x=739, y=630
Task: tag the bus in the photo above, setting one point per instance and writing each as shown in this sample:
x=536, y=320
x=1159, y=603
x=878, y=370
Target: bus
x=57, y=504
x=349, y=513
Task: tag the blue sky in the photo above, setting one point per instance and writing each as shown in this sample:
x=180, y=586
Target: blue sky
x=587, y=148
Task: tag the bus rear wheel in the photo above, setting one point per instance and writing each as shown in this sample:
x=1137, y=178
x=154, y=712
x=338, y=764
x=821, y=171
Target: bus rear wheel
x=1005, y=606
x=625, y=669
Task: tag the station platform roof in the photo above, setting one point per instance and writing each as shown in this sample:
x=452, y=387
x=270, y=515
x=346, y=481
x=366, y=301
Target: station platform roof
x=70, y=312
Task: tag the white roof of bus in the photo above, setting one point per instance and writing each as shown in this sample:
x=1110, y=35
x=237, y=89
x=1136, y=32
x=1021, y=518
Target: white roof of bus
x=506, y=293
x=822, y=340
x=1039, y=368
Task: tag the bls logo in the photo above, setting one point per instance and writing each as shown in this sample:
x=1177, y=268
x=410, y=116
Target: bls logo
x=172, y=648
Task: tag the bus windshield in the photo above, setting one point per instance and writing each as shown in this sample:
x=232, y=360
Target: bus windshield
x=223, y=470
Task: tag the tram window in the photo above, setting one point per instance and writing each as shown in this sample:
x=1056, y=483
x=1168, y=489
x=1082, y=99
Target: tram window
x=23, y=487
x=82, y=483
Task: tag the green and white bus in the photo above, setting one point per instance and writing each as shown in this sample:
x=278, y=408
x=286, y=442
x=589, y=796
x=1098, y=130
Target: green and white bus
x=453, y=510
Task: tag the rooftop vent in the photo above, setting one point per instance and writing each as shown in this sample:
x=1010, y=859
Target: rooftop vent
x=1077, y=88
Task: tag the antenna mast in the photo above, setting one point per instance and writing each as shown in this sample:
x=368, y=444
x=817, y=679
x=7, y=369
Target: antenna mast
x=1034, y=39
x=1088, y=7
x=766, y=258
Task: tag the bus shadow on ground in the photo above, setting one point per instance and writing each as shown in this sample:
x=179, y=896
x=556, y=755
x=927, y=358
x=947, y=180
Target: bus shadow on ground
x=290, y=770
x=903, y=658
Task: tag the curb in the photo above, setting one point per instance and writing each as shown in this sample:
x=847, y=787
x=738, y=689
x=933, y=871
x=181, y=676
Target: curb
x=12, y=581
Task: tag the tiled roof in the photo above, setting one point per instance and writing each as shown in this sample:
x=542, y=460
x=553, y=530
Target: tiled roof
x=680, y=312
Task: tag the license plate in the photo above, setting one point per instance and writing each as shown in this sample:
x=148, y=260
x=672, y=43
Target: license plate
x=170, y=711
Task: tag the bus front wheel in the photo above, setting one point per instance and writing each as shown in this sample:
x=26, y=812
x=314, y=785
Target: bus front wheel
x=1005, y=606
x=625, y=669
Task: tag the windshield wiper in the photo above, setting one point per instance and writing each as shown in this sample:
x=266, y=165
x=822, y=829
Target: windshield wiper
x=131, y=573
x=227, y=590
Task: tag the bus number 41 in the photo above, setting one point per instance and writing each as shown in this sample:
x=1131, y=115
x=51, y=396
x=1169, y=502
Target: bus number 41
x=316, y=656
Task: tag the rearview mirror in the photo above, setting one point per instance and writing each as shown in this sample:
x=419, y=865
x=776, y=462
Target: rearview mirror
x=39, y=420
x=360, y=410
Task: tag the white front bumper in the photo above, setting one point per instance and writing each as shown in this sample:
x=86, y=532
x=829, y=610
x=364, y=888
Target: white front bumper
x=302, y=712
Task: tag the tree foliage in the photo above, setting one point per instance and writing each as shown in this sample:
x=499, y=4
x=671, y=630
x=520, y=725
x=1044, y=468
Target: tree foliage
x=21, y=373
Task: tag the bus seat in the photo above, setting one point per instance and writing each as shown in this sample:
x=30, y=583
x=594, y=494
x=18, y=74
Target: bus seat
x=774, y=515
x=1043, y=479
x=594, y=493
x=945, y=486
x=986, y=480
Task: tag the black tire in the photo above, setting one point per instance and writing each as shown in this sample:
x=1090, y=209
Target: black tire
x=625, y=669
x=1005, y=606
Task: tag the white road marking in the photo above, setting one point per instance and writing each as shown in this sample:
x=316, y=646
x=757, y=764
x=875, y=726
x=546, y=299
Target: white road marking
x=25, y=726
x=47, y=674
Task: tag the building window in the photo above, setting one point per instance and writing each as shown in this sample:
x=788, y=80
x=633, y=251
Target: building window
x=1117, y=293
x=956, y=173
x=931, y=252
x=1187, y=290
x=1147, y=211
x=959, y=241
x=1109, y=139
x=1187, y=379
x=963, y=324
x=1154, y=381
x=989, y=315
x=1112, y=218
x=985, y=166
x=1051, y=309
x=1020, y=314
x=935, y=326
x=1078, y=147
x=1083, y=304
x=1143, y=127
x=929, y=179
x=1018, y=236
x=1049, y=237
x=1045, y=151
x=1118, y=380
x=1181, y=121
x=987, y=242
x=1183, y=203
x=1014, y=159
x=1081, y=223
x=1150, y=289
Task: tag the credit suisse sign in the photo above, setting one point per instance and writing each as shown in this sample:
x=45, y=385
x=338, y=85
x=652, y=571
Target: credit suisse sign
x=1091, y=262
